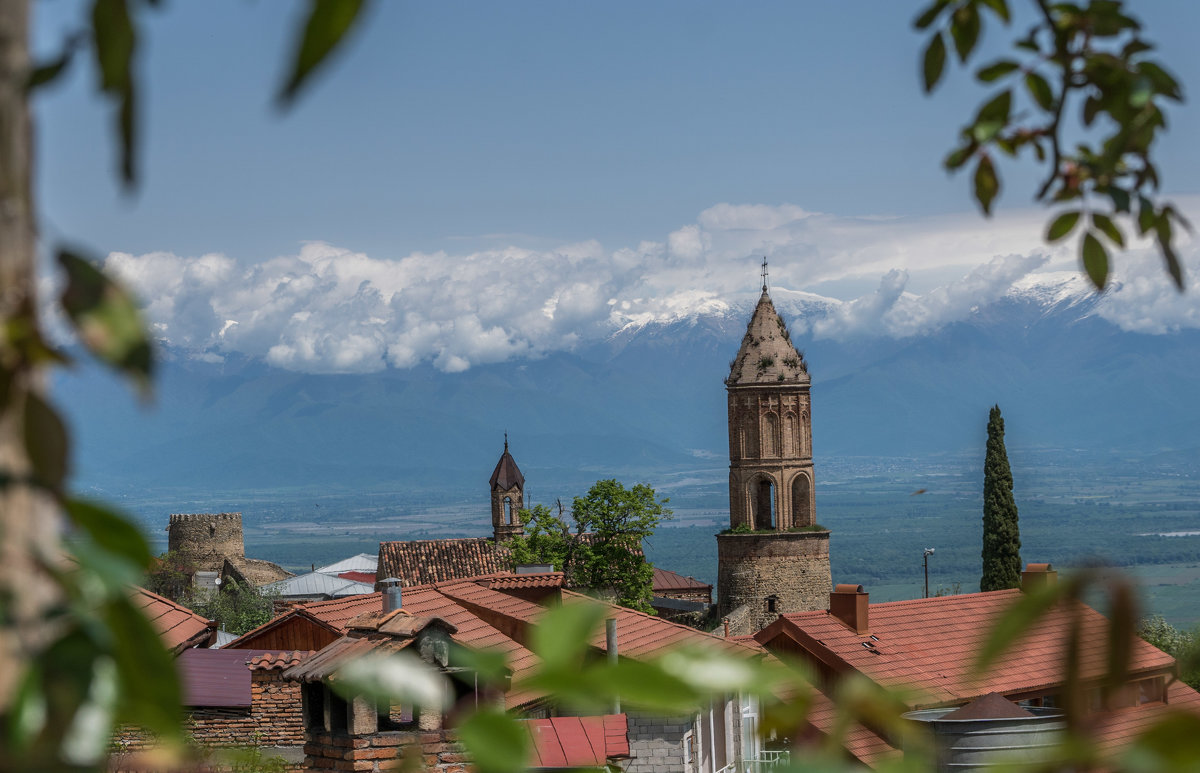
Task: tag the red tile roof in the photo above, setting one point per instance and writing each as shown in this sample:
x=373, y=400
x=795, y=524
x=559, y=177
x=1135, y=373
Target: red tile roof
x=326, y=663
x=668, y=581
x=645, y=636
x=276, y=661
x=1117, y=729
x=863, y=743
x=420, y=562
x=339, y=612
x=507, y=581
x=179, y=626
x=353, y=576
x=576, y=742
x=930, y=644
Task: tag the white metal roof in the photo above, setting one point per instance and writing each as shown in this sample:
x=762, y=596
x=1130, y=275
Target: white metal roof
x=363, y=562
x=317, y=584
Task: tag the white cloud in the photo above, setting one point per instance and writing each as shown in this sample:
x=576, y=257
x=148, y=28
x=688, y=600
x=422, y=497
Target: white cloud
x=329, y=309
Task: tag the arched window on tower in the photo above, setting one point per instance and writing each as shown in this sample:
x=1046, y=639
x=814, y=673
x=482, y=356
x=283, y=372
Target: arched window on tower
x=770, y=435
x=791, y=439
x=508, y=511
x=802, y=514
x=750, y=439
x=762, y=503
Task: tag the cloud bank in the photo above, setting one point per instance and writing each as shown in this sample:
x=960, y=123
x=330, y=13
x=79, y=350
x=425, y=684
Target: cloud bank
x=330, y=309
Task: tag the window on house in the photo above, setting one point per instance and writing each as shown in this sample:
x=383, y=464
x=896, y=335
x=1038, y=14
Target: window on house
x=339, y=713
x=396, y=716
x=772, y=603
x=313, y=697
x=1150, y=690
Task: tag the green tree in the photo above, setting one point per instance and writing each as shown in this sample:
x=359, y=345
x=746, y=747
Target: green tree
x=171, y=576
x=605, y=550
x=237, y=608
x=1179, y=644
x=1001, y=532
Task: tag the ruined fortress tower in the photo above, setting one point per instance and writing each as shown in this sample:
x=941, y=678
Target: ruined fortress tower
x=206, y=539
x=775, y=557
x=508, y=497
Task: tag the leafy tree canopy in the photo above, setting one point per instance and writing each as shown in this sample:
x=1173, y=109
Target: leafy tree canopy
x=605, y=550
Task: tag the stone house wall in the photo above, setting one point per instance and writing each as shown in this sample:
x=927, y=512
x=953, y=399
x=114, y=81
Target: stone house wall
x=656, y=743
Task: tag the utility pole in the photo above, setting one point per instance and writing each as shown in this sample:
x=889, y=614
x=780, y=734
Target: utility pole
x=928, y=553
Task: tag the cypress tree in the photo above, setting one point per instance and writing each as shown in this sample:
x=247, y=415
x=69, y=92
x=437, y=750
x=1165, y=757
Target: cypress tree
x=1001, y=533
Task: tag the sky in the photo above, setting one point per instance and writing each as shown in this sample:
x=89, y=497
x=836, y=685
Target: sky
x=472, y=182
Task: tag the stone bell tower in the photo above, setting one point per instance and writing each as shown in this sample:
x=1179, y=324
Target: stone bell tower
x=508, y=497
x=775, y=557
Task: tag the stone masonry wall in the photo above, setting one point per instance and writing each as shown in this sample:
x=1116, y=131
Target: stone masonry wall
x=656, y=743
x=792, y=566
x=206, y=539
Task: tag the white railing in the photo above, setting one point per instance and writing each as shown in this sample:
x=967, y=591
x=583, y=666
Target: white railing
x=765, y=761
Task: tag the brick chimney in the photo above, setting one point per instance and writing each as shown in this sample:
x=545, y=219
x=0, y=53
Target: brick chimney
x=848, y=603
x=1037, y=576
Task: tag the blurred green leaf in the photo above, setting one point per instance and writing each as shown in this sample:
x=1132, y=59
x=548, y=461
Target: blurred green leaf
x=986, y=184
x=1162, y=229
x=45, y=74
x=401, y=677
x=997, y=70
x=114, y=41
x=647, y=686
x=1061, y=226
x=1040, y=90
x=934, y=62
x=46, y=441
x=110, y=531
x=964, y=28
x=1000, y=8
x=1095, y=260
x=959, y=156
x=491, y=665
x=562, y=636
x=325, y=28
x=992, y=117
x=150, y=692
x=928, y=16
x=107, y=319
x=1122, y=629
x=495, y=741
x=1109, y=228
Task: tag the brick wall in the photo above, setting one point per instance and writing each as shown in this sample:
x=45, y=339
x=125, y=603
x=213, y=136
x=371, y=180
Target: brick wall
x=384, y=751
x=274, y=719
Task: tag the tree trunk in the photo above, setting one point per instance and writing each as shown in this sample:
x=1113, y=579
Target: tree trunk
x=28, y=528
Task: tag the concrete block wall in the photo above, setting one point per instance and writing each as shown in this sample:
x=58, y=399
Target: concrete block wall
x=656, y=743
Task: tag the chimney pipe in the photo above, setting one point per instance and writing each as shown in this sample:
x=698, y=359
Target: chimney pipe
x=1037, y=576
x=391, y=594
x=610, y=640
x=726, y=621
x=849, y=603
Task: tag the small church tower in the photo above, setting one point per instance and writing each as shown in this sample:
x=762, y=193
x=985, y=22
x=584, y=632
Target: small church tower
x=774, y=558
x=508, y=497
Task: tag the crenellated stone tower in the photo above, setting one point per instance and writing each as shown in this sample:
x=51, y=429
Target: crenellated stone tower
x=508, y=497
x=775, y=557
x=205, y=540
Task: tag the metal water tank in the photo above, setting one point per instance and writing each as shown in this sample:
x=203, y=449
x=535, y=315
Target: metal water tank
x=982, y=743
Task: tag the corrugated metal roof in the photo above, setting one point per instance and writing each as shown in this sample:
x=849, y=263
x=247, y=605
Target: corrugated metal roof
x=179, y=626
x=666, y=580
x=577, y=742
x=213, y=678
x=363, y=562
x=317, y=584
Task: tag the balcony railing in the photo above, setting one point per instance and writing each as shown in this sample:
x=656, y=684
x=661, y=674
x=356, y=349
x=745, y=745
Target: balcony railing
x=765, y=761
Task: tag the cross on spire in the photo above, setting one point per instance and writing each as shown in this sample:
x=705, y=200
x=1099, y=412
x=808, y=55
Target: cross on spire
x=506, y=440
x=764, y=273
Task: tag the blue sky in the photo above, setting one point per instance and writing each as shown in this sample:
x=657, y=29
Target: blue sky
x=471, y=130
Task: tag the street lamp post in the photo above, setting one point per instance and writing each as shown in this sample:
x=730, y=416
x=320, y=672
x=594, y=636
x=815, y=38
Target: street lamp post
x=928, y=553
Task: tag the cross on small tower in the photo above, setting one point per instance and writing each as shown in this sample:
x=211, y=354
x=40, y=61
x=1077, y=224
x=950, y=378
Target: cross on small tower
x=764, y=273
x=505, y=440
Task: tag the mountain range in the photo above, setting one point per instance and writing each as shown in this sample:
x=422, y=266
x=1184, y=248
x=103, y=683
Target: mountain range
x=647, y=398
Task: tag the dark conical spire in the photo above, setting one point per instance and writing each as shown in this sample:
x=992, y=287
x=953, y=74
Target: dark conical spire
x=507, y=474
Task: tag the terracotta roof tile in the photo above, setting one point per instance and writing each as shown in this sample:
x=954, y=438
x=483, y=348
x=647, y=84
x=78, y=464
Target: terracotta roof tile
x=179, y=626
x=420, y=562
x=507, y=581
x=930, y=644
x=339, y=612
x=277, y=661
